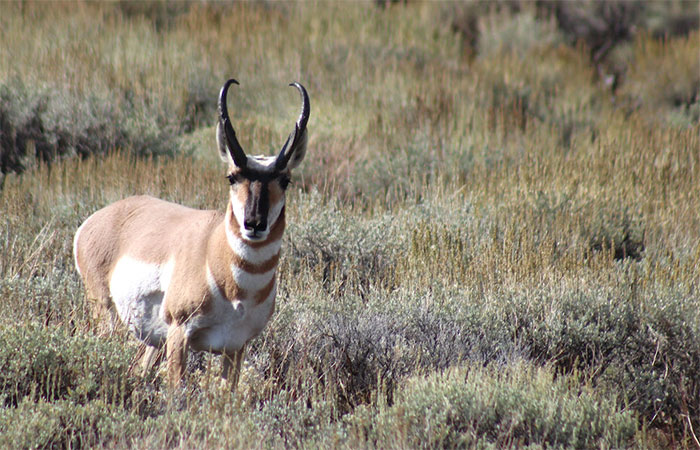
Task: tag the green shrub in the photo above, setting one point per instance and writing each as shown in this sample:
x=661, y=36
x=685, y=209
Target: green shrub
x=292, y=421
x=362, y=346
x=43, y=123
x=38, y=362
x=64, y=424
x=512, y=406
x=634, y=344
x=656, y=368
x=357, y=347
x=343, y=251
x=519, y=34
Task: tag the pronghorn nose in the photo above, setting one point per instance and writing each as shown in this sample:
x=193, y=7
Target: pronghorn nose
x=255, y=215
x=255, y=224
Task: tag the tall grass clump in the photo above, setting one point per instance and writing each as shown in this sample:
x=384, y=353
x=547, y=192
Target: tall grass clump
x=493, y=240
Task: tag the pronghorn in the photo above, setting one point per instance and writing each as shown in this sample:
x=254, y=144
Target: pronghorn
x=187, y=278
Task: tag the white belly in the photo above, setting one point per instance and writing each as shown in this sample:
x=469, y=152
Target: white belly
x=137, y=289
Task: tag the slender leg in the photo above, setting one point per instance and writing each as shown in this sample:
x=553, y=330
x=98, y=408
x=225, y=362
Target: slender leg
x=112, y=319
x=176, y=349
x=151, y=356
x=232, y=367
x=99, y=297
x=100, y=308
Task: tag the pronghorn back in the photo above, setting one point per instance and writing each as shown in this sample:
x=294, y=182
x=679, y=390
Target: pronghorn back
x=188, y=278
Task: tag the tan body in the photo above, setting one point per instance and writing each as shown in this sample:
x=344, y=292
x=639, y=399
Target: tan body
x=187, y=278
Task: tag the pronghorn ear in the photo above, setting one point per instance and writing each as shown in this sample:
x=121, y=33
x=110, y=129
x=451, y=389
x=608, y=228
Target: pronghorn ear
x=295, y=154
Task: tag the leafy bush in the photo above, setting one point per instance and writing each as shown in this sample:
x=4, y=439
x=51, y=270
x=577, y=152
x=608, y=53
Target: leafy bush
x=40, y=123
x=65, y=424
x=496, y=407
x=48, y=363
x=345, y=252
x=360, y=346
x=655, y=368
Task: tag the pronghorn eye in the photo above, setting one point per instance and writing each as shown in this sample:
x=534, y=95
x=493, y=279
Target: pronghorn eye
x=284, y=181
x=232, y=178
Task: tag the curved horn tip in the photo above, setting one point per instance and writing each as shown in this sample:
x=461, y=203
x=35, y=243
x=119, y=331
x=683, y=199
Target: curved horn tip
x=298, y=85
x=305, y=108
x=228, y=83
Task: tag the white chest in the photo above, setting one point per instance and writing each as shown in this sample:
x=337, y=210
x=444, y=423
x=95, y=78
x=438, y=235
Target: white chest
x=229, y=324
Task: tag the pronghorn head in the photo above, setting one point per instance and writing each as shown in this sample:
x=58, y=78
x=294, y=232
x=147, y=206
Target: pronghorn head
x=258, y=182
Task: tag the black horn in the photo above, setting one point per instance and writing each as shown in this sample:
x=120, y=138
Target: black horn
x=234, y=147
x=298, y=136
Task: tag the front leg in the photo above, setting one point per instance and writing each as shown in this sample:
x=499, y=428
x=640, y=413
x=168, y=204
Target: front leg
x=176, y=352
x=232, y=367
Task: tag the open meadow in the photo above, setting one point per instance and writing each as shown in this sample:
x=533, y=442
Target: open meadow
x=493, y=240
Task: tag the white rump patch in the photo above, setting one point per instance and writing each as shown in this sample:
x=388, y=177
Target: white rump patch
x=75, y=243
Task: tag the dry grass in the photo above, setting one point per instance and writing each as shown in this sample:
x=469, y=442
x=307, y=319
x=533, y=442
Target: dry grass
x=498, y=218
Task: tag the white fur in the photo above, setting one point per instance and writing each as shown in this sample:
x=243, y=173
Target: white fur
x=251, y=281
x=166, y=274
x=137, y=289
x=75, y=243
x=275, y=211
x=230, y=324
x=75, y=247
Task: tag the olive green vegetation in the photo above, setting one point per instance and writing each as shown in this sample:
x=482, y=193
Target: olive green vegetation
x=489, y=244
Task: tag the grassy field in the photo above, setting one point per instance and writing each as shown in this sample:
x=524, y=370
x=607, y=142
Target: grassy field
x=489, y=246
